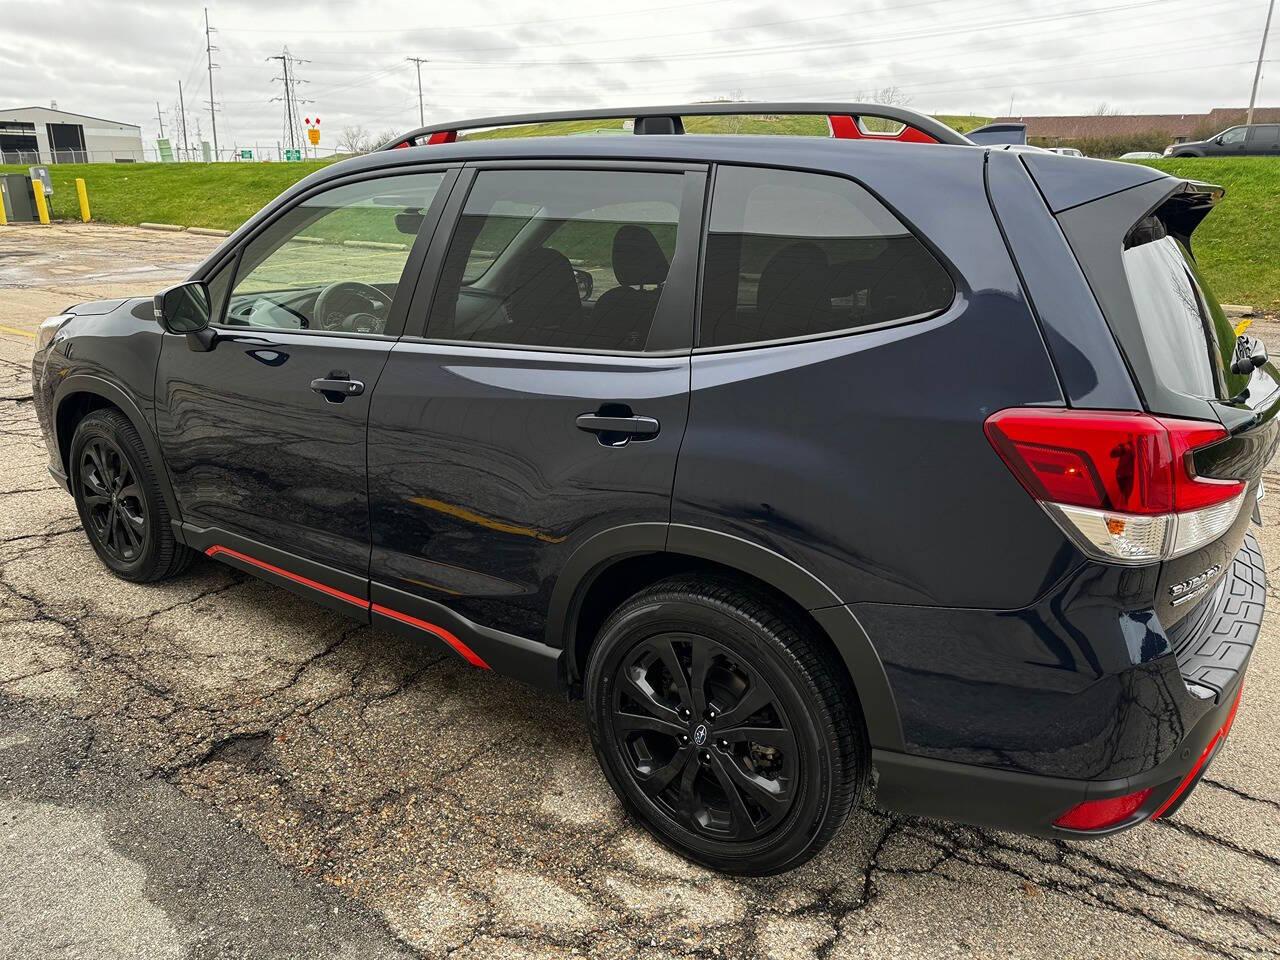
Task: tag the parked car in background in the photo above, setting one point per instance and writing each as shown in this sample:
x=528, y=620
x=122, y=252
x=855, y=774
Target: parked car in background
x=1140, y=155
x=791, y=458
x=1065, y=151
x=1261, y=139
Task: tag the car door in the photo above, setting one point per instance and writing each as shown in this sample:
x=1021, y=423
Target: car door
x=264, y=434
x=1230, y=143
x=1263, y=139
x=538, y=398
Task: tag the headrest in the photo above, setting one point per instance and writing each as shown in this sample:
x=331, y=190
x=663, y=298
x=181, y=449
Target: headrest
x=637, y=258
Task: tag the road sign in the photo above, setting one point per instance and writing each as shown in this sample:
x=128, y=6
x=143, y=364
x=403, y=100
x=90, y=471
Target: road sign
x=293, y=155
x=313, y=134
x=246, y=154
x=166, y=150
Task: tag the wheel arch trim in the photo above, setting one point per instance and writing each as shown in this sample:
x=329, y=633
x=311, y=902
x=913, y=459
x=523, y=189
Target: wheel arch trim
x=832, y=613
x=87, y=383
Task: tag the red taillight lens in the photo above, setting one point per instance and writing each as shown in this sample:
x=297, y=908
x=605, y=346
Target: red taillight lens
x=1100, y=814
x=1127, y=462
x=1122, y=484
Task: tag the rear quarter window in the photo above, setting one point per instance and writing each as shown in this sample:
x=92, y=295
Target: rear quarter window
x=794, y=254
x=1190, y=341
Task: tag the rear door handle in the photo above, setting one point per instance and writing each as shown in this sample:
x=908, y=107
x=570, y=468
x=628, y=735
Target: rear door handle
x=622, y=428
x=335, y=389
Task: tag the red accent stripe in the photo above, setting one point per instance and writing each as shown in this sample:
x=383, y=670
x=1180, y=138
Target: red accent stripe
x=470, y=655
x=440, y=632
x=296, y=578
x=845, y=127
x=1191, y=775
x=442, y=136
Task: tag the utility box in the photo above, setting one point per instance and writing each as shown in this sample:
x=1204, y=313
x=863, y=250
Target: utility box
x=18, y=197
x=41, y=175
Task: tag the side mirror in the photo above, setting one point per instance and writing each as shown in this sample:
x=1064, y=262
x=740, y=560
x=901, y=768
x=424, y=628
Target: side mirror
x=185, y=309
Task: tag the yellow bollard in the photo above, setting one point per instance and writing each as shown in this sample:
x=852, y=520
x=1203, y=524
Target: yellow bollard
x=83, y=194
x=3, y=219
x=42, y=202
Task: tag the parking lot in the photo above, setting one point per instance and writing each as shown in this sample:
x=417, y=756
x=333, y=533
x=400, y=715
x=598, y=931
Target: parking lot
x=215, y=767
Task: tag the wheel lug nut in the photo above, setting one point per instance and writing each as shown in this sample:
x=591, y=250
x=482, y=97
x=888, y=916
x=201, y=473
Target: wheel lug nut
x=711, y=714
x=684, y=738
x=706, y=756
x=724, y=744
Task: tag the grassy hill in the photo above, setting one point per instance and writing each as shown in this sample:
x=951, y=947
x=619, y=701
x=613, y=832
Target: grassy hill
x=1238, y=246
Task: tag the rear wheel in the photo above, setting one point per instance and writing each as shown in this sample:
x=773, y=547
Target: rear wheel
x=119, y=500
x=724, y=726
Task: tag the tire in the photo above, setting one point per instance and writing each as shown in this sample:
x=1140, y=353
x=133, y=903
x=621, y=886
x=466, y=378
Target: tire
x=118, y=497
x=754, y=798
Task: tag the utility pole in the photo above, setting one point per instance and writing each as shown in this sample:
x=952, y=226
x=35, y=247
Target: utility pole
x=290, y=97
x=1257, y=74
x=159, y=119
x=182, y=115
x=418, y=62
x=208, y=52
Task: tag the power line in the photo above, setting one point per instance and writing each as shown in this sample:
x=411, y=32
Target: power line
x=293, y=125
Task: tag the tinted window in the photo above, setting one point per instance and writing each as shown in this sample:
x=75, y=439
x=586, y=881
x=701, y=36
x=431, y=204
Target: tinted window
x=1171, y=313
x=797, y=254
x=1266, y=135
x=1234, y=135
x=334, y=261
x=559, y=258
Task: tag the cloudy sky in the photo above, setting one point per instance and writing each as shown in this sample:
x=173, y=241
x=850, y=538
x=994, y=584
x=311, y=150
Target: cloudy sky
x=116, y=59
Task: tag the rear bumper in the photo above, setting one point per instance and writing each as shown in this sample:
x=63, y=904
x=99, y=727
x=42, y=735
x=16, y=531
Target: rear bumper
x=1213, y=667
x=1026, y=803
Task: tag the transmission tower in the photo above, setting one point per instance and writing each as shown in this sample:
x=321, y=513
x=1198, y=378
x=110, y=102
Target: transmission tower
x=294, y=134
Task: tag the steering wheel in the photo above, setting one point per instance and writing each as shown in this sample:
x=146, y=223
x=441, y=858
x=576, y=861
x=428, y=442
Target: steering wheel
x=352, y=307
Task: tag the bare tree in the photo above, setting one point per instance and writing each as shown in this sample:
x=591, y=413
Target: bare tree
x=386, y=136
x=886, y=96
x=1105, y=109
x=354, y=140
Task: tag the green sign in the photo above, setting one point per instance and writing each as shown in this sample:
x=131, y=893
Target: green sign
x=246, y=154
x=293, y=155
x=166, y=150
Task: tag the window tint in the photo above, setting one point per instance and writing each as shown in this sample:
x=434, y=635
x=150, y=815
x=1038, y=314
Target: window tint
x=1234, y=135
x=1171, y=313
x=1266, y=135
x=559, y=258
x=334, y=261
x=796, y=254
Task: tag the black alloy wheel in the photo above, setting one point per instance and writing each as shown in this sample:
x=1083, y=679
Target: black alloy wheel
x=706, y=737
x=117, y=509
x=120, y=501
x=725, y=723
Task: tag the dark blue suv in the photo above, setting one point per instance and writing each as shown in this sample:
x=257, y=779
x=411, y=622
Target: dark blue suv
x=801, y=461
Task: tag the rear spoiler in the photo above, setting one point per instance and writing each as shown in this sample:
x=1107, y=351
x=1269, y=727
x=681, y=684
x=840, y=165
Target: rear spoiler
x=1184, y=209
x=846, y=121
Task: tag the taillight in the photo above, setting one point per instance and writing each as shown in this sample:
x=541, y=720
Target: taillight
x=1122, y=485
x=1100, y=814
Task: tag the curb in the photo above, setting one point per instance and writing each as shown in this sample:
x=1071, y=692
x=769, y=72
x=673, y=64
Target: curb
x=167, y=227
x=1236, y=310
x=208, y=232
x=373, y=245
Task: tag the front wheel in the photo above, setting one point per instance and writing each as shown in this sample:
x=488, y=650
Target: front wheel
x=724, y=726
x=119, y=500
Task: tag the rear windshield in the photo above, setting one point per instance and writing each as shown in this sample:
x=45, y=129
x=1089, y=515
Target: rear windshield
x=1190, y=341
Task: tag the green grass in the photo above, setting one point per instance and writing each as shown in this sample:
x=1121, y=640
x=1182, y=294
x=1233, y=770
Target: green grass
x=221, y=195
x=1238, y=246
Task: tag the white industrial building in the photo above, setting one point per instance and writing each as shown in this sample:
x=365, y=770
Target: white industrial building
x=47, y=135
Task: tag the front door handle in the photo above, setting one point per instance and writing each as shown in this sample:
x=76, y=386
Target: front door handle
x=615, y=431
x=337, y=387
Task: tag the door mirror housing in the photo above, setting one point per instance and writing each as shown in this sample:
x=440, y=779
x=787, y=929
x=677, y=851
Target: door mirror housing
x=184, y=308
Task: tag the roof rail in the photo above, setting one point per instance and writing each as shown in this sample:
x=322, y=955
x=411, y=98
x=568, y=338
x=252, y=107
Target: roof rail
x=845, y=119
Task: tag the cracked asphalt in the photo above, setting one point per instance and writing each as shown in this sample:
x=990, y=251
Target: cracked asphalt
x=215, y=768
